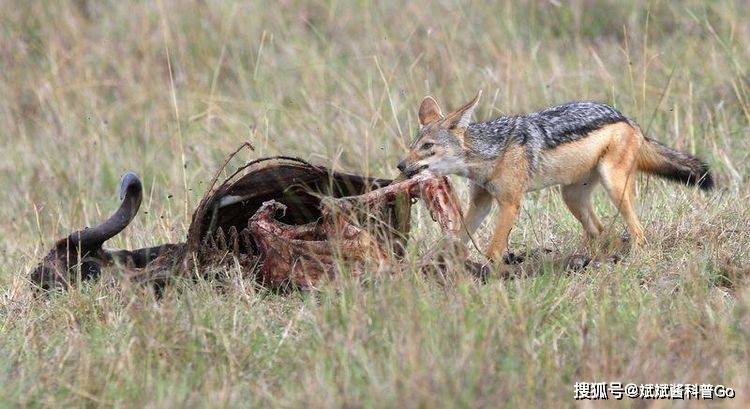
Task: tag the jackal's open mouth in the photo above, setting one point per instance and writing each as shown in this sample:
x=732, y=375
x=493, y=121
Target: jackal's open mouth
x=411, y=172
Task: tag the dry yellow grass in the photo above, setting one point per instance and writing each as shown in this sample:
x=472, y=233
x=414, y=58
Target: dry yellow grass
x=167, y=88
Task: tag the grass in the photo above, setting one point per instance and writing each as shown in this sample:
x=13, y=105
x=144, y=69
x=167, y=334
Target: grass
x=166, y=88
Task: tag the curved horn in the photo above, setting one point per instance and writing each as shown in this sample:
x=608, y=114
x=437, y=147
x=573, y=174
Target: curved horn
x=131, y=194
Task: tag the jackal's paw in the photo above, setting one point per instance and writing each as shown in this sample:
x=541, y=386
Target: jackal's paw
x=640, y=242
x=635, y=241
x=513, y=258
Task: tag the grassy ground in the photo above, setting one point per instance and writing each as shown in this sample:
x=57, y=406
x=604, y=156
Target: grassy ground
x=91, y=89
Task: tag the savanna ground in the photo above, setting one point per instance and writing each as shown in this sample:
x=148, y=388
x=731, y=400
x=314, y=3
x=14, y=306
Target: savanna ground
x=168, y=88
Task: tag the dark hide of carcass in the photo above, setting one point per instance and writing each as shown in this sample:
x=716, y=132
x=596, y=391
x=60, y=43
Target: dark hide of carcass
x=80, y=255
x=281, y=220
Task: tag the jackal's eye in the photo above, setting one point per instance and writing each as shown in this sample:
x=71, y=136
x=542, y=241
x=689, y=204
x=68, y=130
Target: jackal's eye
x=427, y=145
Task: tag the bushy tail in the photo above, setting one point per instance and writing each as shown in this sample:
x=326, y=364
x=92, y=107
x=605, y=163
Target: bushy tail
x=668, y=163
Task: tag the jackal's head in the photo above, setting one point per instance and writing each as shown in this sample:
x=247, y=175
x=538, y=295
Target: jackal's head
x=438, y=147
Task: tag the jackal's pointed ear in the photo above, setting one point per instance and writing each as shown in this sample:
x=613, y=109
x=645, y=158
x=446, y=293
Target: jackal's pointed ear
x=460, y=118
x=429, y=111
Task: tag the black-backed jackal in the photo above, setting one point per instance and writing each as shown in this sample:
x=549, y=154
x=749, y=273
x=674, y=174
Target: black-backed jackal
x=576, y=145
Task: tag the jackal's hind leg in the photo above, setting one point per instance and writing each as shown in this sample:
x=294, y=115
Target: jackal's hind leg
x=618, y=178
x=578, y=199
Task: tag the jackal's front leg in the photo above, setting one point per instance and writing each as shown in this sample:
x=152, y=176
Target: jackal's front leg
x=508, y=182
x=479, y=206
x=506, y=219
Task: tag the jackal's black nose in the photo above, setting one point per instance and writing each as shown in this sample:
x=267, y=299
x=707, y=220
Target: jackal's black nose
x=401, y=166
